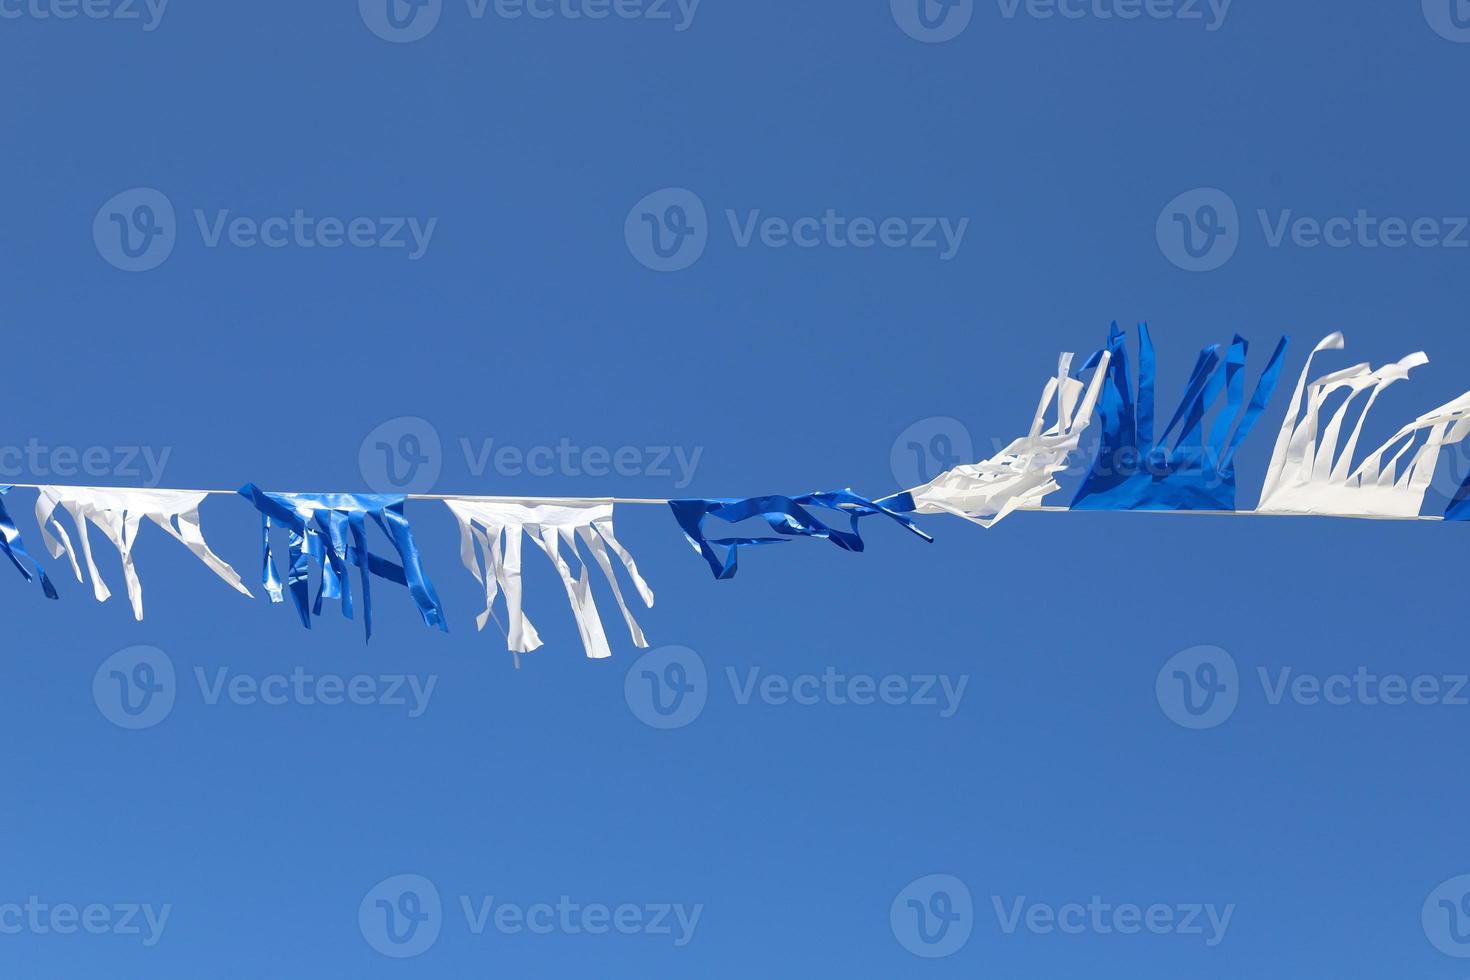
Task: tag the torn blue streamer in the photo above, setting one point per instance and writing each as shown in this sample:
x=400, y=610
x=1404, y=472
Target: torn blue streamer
x=15, y=549
x=1459, y=505
x=788, y=516
x=331, y=528
x=1134, y=471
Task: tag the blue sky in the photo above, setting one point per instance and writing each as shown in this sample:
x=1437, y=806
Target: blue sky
x=653, y=249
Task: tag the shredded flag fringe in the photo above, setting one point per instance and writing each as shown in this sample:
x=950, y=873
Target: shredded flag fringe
x=1134, y=471
x=1023, y=473
x=1310, y=475
x=15, y=549
x=490, y=546
x=318, y=528
x=117, y=513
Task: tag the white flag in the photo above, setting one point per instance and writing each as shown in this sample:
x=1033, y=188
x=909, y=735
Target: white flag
x=1310, y=475
x=490, y=546
x=117, y=513
x=1023, y=473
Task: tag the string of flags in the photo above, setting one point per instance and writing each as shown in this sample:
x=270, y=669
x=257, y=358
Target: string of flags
x=1314, y=470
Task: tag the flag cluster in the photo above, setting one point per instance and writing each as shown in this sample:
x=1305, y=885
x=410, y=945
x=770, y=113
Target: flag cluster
x=1188, y=464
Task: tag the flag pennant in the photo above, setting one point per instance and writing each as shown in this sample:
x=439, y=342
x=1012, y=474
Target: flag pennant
x=117, y=512
x=787, y=516
x=331, y=529
x=1023, y=473
x=1135, y=471
x=1309, y=474
x=15, y=549
x=491, y=548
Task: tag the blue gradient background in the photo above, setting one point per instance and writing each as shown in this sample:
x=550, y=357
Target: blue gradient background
x=529, y=321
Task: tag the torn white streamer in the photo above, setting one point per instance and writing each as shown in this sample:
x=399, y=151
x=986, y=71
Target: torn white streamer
x=1023, y=473
x=1310, y=475
x=490, y=546
x=117, y=512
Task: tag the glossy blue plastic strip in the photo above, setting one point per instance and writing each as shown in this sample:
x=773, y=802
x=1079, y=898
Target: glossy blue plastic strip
x=1133, y=471
x=787, y=516
x=1459, y=505
x=15, y=549
x=335, y=537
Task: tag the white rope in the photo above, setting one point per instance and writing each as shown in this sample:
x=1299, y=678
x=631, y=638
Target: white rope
x=658, y=501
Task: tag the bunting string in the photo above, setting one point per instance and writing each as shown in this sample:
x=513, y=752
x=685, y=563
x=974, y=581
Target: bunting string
x=1187, y=467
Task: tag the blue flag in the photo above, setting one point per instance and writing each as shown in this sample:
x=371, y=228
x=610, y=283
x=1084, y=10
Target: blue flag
x=1135, y=471
x=15, y=549
x=787, y=516
x=331, y=528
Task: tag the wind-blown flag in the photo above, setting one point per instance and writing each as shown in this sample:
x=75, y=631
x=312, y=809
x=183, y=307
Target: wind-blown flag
x=1134, y=471
x=15, y=549
x=1310, y=475
x=331, y=529
x=787, y=516
x=117, y=512
x=1023, y=473
x=490, y=546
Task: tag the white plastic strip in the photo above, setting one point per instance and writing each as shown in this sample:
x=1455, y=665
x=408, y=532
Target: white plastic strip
x=1023, y=473
x=490, y=547
x=1309, y=474
x=117, y=512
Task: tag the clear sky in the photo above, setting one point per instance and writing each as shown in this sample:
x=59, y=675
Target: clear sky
x=529, y=247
